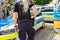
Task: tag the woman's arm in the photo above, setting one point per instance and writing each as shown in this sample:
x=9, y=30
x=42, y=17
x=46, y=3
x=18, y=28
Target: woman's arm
x=15, y=16
x=34, y=11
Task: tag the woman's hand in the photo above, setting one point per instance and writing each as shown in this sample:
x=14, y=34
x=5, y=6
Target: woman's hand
x=34, y=18
x=16, y=28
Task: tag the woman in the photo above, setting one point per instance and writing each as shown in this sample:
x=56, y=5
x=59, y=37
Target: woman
x=22, y=12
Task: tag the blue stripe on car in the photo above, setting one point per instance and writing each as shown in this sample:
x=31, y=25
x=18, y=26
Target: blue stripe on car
x=6, y=22
x=9, y=22
x=38, y=21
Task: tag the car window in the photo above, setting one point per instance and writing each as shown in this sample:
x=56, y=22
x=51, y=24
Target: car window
x=58, y=9
x=47, y=9
x=38, y=12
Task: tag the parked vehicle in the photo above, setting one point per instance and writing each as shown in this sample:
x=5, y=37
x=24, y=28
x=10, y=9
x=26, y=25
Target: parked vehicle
x=7, y=31
x=57, y=19
x=39, y=23
x=48, y=12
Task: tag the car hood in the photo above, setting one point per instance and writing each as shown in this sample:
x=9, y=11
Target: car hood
x=6, y=24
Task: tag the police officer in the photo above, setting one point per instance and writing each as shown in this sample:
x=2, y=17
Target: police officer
x=22, y=13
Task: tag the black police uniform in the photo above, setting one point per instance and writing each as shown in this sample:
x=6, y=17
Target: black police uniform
x=24, y=21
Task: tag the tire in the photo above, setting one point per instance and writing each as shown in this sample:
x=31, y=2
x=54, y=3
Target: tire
x=43, y=24
x=15, y=39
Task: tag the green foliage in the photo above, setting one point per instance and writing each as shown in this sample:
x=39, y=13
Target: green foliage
x=41, y=2
x=10, y=1
x=9, y=7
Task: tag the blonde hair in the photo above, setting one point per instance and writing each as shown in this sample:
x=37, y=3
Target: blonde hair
x=26, y=5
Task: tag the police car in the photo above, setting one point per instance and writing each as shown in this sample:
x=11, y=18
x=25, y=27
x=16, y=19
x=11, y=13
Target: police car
x=38, y=23
x=57, y=18
x=7, y=31
x=48, y=12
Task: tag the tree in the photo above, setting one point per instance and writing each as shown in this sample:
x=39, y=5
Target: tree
x=41, y=2
x=10, y=1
